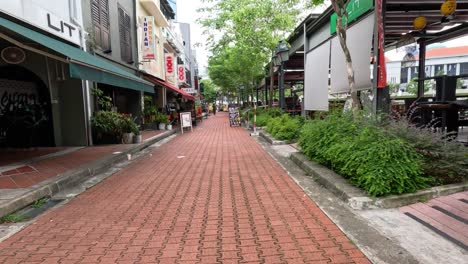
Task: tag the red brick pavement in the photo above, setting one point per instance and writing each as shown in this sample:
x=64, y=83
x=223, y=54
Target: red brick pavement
x=211, y=196
x=28, y=175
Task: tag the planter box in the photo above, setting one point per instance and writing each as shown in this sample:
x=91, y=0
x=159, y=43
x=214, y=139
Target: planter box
x=272, y=140
x=357, y=198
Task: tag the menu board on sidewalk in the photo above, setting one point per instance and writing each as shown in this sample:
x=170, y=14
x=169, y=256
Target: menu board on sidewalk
x=185, y=121
x=234, y=116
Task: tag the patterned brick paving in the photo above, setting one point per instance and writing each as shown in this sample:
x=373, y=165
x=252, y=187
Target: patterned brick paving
x=28, y=175
x=9, y=156
x=211, y=196
x=447, y=216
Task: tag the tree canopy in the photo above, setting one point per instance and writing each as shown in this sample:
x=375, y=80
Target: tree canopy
x=210, y=90
x=242, y=35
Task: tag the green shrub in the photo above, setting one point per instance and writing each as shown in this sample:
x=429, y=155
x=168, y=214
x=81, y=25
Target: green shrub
x=128, y=125
x=285, y=127
x=107, y=123
x=444, y=160
x=371, y=159
x=262, y=119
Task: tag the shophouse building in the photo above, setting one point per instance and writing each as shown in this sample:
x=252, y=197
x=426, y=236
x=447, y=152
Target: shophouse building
x=112, y=36
x=41, y=104
x=47, y=74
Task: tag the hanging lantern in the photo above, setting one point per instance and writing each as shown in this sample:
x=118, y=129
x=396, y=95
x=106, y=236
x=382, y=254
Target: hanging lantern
x=448, y=7
x=419, y=23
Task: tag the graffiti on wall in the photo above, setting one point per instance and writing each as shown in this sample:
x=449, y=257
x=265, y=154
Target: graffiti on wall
x=16, y=95
x=22, y=112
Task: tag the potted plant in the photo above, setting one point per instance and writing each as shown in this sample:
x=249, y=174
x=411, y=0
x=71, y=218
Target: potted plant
x=137, y=138
x=107, y=127
x=128, y=128
x=169, y=125
x=162, y=120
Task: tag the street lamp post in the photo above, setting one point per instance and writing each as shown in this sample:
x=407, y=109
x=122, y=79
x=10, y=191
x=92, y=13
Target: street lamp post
x=282, y=56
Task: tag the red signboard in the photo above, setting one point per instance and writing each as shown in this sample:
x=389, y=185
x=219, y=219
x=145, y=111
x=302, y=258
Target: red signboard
x=181, y=73
x=169, y=63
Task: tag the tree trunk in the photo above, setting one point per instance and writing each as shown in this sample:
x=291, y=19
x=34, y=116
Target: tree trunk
x=340, y=10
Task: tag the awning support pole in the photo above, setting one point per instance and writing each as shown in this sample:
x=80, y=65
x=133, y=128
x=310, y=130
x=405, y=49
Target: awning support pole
x=422, y=67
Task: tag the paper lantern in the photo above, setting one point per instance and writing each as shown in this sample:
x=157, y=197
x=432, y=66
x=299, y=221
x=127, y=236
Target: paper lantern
x=419, y=23
x=448, y=7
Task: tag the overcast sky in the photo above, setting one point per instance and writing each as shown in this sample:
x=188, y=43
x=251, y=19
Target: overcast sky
x=187, y=13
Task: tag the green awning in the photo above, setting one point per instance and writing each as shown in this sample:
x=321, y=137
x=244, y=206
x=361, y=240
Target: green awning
x=83, y=65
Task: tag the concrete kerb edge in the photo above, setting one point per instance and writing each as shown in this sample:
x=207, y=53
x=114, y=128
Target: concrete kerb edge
x=273, y=141
x=358, y=199
x=75, y=176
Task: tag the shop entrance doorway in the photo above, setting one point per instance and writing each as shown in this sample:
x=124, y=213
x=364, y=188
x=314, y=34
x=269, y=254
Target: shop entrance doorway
x=25, y=110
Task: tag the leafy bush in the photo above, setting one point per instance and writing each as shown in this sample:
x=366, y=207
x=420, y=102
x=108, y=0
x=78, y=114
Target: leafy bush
x=107, y=123
x=262, y=119
x=285, y=127
x=108, y=126
x=128, y=125
x=162, y=118
x=378, y=162
x=444, y=160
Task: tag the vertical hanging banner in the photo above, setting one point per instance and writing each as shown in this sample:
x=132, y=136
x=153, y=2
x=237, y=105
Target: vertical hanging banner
x=181, y=73
x=382, y=70
x=148, y=38
x=169, y=62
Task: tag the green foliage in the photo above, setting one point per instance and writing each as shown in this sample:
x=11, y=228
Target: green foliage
x=412, y=86
x=12, y=218
x=284, y=127
x=108, y=123
x=128, y=125
x=150, y=111
x=210, y=91
x=262, y=119
x=162, y=119
x=377, y=162
x=111, y=125
x=104, y=102
x=393, y=87
x=242, y=35
x=264, y=116
x=39, y=203
x=445, y=160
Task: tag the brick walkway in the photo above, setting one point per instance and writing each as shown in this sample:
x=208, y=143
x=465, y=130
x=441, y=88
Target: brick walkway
x=35, y=172
x=446, y=216
x=211, y=196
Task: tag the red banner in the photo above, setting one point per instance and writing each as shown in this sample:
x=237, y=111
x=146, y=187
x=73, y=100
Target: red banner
x=181, y=73
x=382, y=70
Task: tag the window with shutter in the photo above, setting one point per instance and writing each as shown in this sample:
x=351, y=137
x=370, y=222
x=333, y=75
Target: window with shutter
x=101, y=27
x=125, y=36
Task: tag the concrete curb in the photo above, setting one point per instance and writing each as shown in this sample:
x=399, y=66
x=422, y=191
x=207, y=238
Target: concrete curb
x=273, y=141
x=358, y=199
x=75, y=176
x=250, y=127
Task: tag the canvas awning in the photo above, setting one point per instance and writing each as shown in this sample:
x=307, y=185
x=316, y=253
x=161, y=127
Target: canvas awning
x=155, y=80
x=82, y=65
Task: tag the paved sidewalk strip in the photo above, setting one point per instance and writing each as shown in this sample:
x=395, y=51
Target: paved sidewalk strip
x=211, y=196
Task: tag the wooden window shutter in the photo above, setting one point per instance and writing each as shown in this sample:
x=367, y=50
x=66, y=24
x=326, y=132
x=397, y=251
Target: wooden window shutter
x=125, y=36
x=128, y=35
x=96, y=18
x=105, y=25
x=101, y=27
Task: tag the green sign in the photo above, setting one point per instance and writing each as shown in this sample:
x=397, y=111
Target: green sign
x=355, y=8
